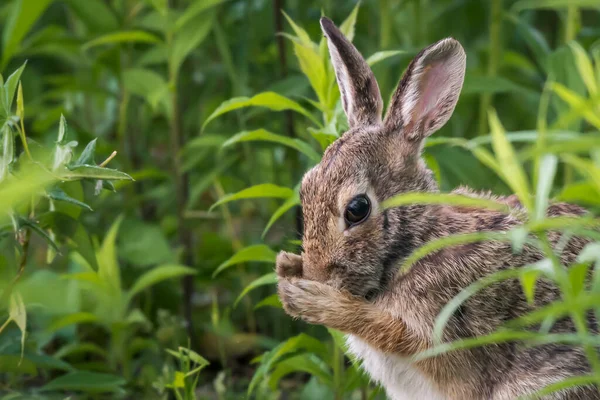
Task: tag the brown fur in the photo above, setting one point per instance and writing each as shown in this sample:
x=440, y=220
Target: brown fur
x=342, y=267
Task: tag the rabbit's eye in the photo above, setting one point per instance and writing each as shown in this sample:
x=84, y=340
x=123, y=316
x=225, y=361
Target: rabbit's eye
x=357, y=210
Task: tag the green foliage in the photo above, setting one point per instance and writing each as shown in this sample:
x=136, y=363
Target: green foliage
x=107, y=260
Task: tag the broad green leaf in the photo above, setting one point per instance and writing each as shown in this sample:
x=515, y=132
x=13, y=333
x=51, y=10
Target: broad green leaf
x=443, y=198
x=577, y=277
x=159, y=274
x=94, y=172
x=194, y=9
x=18, y=314
x=512, y=171
x=90, y=382
x=382, y=55
x=269, y=301
x=265, y=190
x=264, y=135
x=286, y=206
x=96, y=14
x=21, y=18
x=585, y=167
x=267, y=279
x=313, y=66
x=122, y=37
x=347, y=27
x=546, y=174
x=146, y=83
x=58, y=194
x=255, y=253
x=270, y=100
x=72, y=319
x=585, y=68
x=35, y=227
x=189, y=37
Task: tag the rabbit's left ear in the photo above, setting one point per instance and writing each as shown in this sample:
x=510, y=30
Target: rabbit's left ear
x=360, y=94
x=428, y=92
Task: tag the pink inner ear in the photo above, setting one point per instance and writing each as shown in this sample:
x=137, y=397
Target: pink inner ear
x=433, y=84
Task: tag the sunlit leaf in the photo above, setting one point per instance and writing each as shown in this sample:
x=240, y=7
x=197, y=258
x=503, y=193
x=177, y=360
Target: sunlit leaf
x=546, y=174
x=443, y=198
x=265, y=190
x=269, y=301
x=552, y=4
x=122, y=37
x=270, y=100
x=264, y=135
x=255, y=253
x=10, y=87
x=267, y=279
x=347, y=27
x=18, y=314
x=72, y=319
x=382, y=55
x=159, y=274
x=94, y=172
x=585, y=68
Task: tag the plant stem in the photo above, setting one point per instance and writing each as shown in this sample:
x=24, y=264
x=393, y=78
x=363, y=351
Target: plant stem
x=495, y=54
x=571, y=23
x=237, y=245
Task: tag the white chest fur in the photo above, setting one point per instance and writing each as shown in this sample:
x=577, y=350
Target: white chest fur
x=396, y=374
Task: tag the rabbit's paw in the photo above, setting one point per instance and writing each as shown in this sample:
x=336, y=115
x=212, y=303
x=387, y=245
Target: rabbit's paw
x=308, y=300
x=288, y=265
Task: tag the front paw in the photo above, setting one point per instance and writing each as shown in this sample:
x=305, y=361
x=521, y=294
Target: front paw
x=308, y=300
x=288, y=265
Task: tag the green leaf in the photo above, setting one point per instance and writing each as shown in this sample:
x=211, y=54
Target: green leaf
x=34, y=226
x=88, y=155
x=267, y=279
x=382, y=55
x=528, y=281
x=264, y=135
x=194, y=9
x=270, y=100
x=8, y=152
x=10, y=86
x=512, y=171
x=585, y=68
x=189, y=37
x=570, y=382
x=122, y=37
x=313, y=66
x=546, y=174
x=577, y=276
x=96, y=14
x=71, y=319
x=91, y=382
x=159, y=274
x=443, y=198
x=269, y=301
x=287, y=205
x=580, y=107
x=144, y=244
x=306, y=363
x=147, y=84
x=265, y=190
x=57, y=194
x=108, y=266
x=18, y=314
x=21, y=18
x=347, y=27
x=94, y=172
x=585, y=167
x=303, y=36
x=256, y=253
x=81, y=348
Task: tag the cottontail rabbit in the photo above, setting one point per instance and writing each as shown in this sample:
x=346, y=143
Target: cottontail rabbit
x=347, y=276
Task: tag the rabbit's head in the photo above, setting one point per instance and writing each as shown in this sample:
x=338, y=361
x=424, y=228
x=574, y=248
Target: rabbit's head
x=349, y=241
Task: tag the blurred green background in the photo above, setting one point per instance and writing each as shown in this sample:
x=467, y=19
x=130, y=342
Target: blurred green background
x=163, y=286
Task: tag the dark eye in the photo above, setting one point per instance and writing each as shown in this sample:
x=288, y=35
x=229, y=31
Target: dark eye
x=357, y=210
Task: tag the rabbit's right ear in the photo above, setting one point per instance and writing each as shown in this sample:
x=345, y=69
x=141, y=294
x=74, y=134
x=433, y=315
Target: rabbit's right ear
x=428, y=92
x=360, y=93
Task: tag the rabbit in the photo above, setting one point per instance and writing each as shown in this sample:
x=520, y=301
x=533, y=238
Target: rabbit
x=347, y=277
